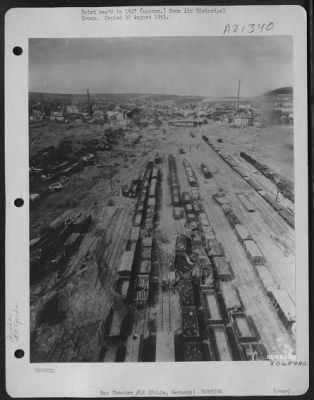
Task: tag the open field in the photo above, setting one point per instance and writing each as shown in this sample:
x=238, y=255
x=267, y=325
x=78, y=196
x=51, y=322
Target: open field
x=97, y=303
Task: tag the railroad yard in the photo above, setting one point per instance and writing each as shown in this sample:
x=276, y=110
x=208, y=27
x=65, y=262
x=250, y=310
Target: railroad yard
x=182, y=251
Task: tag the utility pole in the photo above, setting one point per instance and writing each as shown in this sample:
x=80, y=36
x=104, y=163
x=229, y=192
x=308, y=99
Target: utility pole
x=42, y=104
x=88, y=103
x=238, y=96
x=254, y=140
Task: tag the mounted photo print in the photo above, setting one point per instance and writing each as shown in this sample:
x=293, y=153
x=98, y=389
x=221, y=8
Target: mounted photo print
x=156, y=201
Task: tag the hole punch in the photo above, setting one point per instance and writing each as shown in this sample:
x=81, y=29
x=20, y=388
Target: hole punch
x=19, y=353
x=18, y=202
x=17, y=50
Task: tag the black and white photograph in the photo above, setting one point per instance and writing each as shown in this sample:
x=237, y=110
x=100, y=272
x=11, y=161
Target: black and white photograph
x=157, y=220
x=161, y=195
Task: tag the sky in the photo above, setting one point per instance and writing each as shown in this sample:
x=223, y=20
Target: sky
x=201, y=66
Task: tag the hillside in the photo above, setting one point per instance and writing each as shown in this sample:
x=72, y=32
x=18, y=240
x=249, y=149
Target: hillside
x=288, y=90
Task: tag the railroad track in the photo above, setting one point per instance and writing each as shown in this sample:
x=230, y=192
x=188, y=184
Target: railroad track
x=164, y=291
x=117, y=232
x=109, y=260
x=88, y=204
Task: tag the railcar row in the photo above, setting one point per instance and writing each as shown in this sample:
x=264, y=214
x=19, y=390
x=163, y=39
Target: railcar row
x=283, y=304
x=135, y=267
x=174, y=187
x=286, y=213
x=190, y=173
x=210, y=289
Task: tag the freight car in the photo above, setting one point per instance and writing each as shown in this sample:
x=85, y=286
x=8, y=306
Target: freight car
x=220, y=343
x=153, y=189
x=126, y=264
x=134, y=189
x=195, y=194
x=253, y=252
x=178, y=212
x=243, y=327
x=144, y=267
x=265, y=277
x=192, y=351
x=123, y=287
x=283, y=305
x=211, y=304
x=242, y=233
x=214, y=248
x=186, y=293
x=190, y=328
x=175, y=196
x=223, y=268
x=134, y=348
x=253, y=352
x=141, y=297
x=138, y=219
x=231, y=297
x=207, y=280
x=165, y=347
x=147, y=241
x=155, y=173
x=181, y=244
x=192, y=181
x=142, y=282
x=186, y=198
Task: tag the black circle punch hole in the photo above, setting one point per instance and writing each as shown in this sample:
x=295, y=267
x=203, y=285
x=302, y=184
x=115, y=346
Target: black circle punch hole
x=19, y=353
x=17, y=50
x=18, y=202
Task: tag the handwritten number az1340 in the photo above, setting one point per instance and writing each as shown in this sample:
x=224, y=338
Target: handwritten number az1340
x=249, y=28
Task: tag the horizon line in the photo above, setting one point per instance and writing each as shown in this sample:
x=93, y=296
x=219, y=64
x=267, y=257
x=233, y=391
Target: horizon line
x=152, y=94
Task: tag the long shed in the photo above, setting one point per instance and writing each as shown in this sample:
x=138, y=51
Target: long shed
x=284, y=305
x=265, y=277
